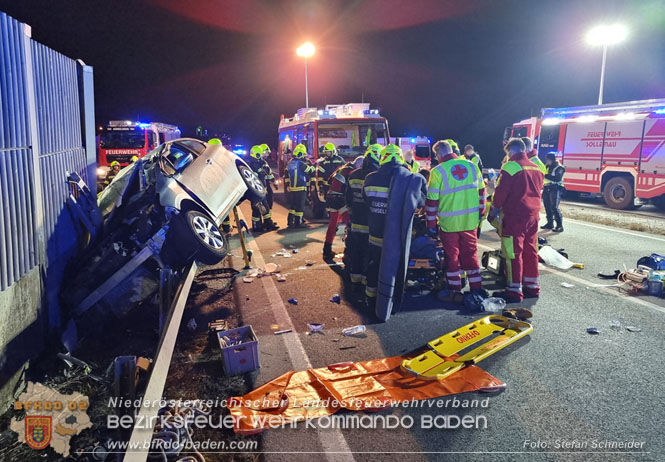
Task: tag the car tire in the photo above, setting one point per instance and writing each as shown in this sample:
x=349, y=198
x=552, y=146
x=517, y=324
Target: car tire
x=256, y=190
x=211, y=242
x=186, y=240
x=618, y=193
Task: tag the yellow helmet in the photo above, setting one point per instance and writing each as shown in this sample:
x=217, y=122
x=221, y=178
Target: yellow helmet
x=114, y=163
x=329, y=149
x=453, y=145
x=256, y=151
x=300, y=151
x=390, y=153
x=215, y=141
x=265, y=148
x=134, y=159
x=374, y=151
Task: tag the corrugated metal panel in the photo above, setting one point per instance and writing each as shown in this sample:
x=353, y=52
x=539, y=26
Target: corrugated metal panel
x=17, y=231
x=58, y=140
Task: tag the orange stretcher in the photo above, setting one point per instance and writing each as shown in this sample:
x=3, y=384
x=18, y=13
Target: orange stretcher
x=467, y=345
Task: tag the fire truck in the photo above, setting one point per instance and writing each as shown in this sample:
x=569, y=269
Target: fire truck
x=419, y=146
x=121, y=140
x=616, y=150
x=350, y=127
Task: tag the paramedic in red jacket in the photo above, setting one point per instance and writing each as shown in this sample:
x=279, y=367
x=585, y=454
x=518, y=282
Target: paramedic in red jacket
x=517, y=196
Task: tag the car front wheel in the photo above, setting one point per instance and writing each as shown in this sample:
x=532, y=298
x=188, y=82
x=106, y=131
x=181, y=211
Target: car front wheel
x=212, y=244
x=256, y=191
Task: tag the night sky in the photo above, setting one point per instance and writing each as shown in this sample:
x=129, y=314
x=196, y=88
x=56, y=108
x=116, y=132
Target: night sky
x=462, y=69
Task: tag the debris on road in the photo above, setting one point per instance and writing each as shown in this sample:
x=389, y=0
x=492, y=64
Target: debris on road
x=633, y=329
x=293, y=301
x=240, y=350
x=355, y=330
x=218, y=325
x=347, y=347
x=593, y=330
x=551, y=257
x=309, y=262
x=294, y=250
x=270, y=268
x=493, y=305
x=191, y=325
x=335, y=299
x=281, y=278
x=609, y=276
x=615, y=324
x=247, y=280
x=567, y=285
x=285, y=331
x=315, y=327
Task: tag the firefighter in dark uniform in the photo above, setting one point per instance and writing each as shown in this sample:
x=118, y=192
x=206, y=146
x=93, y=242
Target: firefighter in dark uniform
x=331, y=162
x=269, y=175
x=297, y=174
x=552, y=190
x=375, y=193
x=112, y=173
x=261, y=214
x=357, y=240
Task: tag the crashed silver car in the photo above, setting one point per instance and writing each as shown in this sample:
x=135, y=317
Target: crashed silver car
x=196, y=185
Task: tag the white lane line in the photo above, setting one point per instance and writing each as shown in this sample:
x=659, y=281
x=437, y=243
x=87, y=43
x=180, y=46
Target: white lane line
x=331, y=439
x=608, y=228
x=605, y=290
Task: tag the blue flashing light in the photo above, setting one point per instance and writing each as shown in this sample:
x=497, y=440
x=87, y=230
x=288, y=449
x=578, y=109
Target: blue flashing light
x=144, y=125
x=413, y=140
x=659, y=111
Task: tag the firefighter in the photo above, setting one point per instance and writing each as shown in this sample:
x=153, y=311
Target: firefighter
x=336, y=206
x=410, y=163
x=455, y=204
x=532, y=154
x=261, y=214
x=271, y=182
x=471, y=154
x=134, y=159
x=111, y=174
x=297, y=174
x=517, y=197
x=552, y=192
x=357, y=240
x=375, y=194
x=331, y=161
x=453, y=145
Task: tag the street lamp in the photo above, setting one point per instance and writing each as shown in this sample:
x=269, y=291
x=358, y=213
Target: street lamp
x=605, y=35
x=306, y=50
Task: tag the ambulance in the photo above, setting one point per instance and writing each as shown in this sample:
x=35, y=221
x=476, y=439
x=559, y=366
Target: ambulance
x=420, y=146
x=615, y=150
x=350, y=127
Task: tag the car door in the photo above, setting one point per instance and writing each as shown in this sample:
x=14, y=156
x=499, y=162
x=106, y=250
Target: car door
x=207, y=178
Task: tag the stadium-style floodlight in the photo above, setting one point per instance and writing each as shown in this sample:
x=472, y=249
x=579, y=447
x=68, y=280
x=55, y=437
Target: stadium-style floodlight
x=306, y=50
x=605, y=35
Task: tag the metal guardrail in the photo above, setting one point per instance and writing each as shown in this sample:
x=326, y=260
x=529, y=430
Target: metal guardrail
x=140, y=439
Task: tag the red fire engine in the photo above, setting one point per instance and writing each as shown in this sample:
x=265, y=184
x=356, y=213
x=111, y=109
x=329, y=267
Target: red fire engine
x=617, y=150
x=121, y=140
x=350, y=127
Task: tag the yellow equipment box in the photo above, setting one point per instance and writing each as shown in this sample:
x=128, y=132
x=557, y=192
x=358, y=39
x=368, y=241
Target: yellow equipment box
x=469, y=344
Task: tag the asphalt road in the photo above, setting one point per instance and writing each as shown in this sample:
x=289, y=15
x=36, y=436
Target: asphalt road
x=563, y=385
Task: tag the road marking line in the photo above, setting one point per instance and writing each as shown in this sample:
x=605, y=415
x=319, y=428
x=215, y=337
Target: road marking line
x=330, y=439
x=584, y=282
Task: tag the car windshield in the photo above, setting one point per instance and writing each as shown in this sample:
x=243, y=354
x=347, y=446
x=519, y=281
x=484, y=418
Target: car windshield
x=129, y=139
x=352, y=138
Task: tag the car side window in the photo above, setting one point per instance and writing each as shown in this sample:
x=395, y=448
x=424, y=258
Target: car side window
x=195, y=146
x=176, y=159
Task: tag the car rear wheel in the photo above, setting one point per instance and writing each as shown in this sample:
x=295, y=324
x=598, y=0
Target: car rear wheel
x=193, y=235
x=256, y=191
x=618, y=193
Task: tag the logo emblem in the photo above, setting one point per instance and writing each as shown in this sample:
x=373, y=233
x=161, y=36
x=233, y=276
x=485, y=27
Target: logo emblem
x=37, y=431
x=459, y=172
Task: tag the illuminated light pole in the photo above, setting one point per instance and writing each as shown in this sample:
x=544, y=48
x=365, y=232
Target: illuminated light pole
x=306, y=50
x=605, y=35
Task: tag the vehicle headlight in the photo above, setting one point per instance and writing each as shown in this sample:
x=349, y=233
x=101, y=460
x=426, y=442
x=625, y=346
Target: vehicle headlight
x=101, y=171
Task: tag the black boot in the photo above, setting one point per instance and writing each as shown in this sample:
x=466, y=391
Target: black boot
x=547, y=225
x=289, y=221
x=257, y=227
x=270, y=225
x=328, y=251
x=558, y=229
